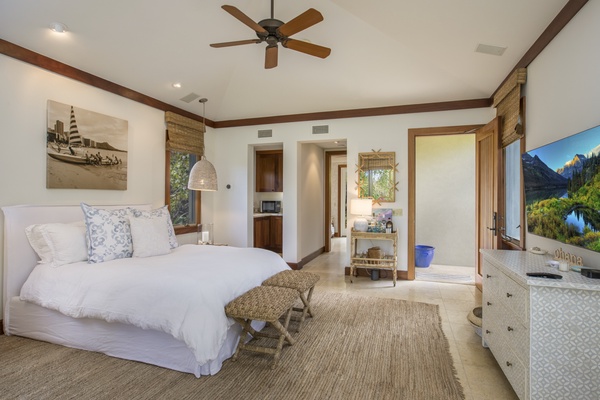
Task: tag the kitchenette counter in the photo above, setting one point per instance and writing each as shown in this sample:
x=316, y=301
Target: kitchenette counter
x=257, y=215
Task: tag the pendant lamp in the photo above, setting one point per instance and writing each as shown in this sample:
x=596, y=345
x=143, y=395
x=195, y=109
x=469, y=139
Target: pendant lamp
x=203, y=175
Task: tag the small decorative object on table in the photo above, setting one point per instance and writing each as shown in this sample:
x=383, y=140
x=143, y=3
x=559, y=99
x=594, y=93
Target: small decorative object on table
x=205, y=234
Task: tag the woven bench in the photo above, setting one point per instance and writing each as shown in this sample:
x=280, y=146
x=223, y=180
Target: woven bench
x=300, y=281
x=263, y=303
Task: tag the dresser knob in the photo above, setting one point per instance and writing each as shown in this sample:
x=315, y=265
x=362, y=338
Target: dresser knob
x=488, y=276
x=510, y=329
x=508, y=295
x=489, y=304
x=487, y=331
x=508, y=364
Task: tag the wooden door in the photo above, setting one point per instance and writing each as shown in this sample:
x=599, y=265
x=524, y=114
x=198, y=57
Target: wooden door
x=487, y=156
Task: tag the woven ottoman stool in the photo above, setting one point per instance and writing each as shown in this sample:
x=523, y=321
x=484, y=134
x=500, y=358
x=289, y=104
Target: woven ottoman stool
x=263, y=303
x=300, y=281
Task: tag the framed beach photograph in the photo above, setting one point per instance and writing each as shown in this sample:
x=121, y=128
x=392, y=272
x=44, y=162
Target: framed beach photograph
x=85, y=149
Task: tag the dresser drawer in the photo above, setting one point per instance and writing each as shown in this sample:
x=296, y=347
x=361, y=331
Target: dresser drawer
x=516, y=373
x=512, y=333
x=492, y=278
x=516, y=298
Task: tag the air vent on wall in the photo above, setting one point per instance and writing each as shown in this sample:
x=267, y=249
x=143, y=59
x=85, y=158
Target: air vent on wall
x=265, y=133
x=320, y=129
x=489, y=49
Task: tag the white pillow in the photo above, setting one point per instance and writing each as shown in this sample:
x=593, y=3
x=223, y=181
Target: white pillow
x=57, y=243
x=162, y=211
x=108, y=233
x=149, y=236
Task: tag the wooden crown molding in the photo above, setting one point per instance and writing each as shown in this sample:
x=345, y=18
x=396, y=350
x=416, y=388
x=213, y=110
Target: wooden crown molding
x=39, y=60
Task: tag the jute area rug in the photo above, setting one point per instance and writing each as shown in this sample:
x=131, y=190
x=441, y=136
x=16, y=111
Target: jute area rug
x=354, y=348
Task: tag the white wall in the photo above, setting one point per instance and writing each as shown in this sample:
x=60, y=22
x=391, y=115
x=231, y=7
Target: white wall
x=24, y=91
x=445, y=197
x=311, y=207
x=386, y=133
x=563, y=96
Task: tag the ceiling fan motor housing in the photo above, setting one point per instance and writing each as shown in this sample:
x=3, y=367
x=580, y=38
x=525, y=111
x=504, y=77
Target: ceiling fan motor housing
x=271, y=25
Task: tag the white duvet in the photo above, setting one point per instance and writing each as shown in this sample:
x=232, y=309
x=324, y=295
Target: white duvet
x=182, y=293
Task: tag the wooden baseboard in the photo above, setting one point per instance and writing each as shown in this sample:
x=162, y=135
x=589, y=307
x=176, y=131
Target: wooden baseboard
x=1, y=327
x=307, y=259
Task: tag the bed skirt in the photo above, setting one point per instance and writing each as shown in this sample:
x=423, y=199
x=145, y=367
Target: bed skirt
x=112, y=338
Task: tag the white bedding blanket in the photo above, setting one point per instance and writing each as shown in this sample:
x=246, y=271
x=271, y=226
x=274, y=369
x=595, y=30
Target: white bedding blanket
x=183, y=293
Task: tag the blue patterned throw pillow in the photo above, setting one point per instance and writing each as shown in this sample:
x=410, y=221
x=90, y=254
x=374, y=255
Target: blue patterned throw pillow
x=108, y=233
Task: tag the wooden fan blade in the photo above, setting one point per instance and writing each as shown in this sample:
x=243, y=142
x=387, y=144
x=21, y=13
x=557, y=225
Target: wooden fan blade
x=305, y=20
x=236, y=43
x=307, y=48
x=246, y=20
x=271, y=56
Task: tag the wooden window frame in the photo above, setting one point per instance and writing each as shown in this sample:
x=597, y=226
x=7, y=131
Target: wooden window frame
x=180, y=229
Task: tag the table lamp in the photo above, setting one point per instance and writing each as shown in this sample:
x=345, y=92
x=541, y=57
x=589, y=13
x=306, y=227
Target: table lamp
x=363, y=208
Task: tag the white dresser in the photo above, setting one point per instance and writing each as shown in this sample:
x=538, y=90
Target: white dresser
x=544, y=333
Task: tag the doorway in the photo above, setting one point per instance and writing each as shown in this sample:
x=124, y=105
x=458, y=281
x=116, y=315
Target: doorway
x=441, y=209
x=336, y=180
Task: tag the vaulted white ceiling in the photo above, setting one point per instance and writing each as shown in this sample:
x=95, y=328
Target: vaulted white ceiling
x=384, y=52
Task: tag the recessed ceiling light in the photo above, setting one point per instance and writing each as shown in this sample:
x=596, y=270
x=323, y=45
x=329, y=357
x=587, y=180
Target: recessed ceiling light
x=177, y=85
x=58, y=27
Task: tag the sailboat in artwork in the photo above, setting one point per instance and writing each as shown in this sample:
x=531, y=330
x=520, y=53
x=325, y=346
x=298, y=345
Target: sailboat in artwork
x=75, y=139
x=73, y=152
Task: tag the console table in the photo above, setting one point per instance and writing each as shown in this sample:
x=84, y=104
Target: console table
x=544, y=333
x=389, y=261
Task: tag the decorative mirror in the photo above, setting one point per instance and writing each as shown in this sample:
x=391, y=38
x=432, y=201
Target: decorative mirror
x=376, y=176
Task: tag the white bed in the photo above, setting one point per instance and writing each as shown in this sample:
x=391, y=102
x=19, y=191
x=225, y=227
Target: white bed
x=116, y=339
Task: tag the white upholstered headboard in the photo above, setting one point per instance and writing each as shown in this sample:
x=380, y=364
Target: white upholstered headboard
x=19, y=257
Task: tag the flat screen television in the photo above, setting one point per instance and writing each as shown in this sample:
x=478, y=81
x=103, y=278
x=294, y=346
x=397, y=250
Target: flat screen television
x=562, y=190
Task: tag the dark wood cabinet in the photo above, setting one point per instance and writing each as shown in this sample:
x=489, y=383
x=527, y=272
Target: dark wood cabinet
x=262, y=232
x=268, y=233
x=269, y=171
x=276, y=226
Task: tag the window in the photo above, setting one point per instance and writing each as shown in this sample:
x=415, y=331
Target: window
x=185, y=144
x=512, y=193
x=182, y=201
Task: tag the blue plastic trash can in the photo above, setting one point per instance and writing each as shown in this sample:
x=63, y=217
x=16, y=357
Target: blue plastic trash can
x=423, y=255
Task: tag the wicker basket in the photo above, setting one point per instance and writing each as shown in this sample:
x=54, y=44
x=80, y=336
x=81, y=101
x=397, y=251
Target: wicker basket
x=374, y=252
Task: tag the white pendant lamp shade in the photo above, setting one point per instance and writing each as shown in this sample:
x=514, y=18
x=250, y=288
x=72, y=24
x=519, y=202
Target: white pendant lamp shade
x=203, y=176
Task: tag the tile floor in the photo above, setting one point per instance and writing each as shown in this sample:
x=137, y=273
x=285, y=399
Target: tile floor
x=477, y=369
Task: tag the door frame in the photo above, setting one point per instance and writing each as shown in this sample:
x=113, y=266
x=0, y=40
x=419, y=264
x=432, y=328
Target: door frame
x=412, y=136
x=342, y=214
x=494, y=191
x=327, y=224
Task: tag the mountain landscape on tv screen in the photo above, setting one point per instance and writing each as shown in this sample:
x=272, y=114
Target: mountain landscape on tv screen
x=563, y=201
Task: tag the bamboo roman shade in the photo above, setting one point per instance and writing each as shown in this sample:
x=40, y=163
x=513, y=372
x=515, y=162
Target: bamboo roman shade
x=184, y=134
x=508, y=105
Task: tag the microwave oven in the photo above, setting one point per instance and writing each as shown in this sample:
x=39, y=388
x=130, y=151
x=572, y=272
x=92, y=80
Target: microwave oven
x=270, y=206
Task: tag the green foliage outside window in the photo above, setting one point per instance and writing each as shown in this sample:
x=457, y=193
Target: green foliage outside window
x=376, y=183
x=182, y=199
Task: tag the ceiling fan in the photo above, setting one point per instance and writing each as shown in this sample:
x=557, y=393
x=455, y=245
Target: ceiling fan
x=273, y=31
